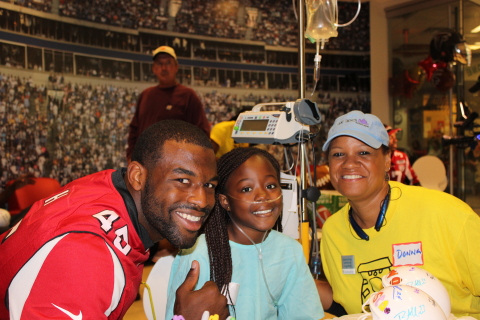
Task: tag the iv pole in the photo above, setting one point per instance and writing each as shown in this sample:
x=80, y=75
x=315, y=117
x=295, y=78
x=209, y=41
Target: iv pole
x=304, y=234
x=327, y=29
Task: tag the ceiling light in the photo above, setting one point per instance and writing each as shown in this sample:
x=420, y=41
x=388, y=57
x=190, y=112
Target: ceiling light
x=474, y=46
x=476, y=29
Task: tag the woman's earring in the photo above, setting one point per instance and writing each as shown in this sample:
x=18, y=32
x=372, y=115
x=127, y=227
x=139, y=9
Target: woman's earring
x=387, y=177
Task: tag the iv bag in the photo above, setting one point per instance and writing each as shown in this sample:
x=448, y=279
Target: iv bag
x=322, y=19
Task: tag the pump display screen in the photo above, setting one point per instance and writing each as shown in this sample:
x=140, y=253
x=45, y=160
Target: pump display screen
x=254, y=125
x=261, y=127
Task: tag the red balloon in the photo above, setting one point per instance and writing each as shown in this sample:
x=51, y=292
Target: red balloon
x=429, y=65
x=409, y=85
x=403, y=85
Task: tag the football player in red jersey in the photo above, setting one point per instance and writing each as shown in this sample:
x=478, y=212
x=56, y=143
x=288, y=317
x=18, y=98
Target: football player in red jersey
x=79, y=253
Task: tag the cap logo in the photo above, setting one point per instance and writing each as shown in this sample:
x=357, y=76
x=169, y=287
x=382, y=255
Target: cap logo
x=362, y=122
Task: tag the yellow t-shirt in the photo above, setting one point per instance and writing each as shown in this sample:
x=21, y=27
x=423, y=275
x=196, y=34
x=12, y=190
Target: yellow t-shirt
x=221, y=133
x=426, y=228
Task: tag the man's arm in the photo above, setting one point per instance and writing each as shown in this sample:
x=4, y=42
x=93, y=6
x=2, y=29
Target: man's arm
x=191, y=304
x=57, y=280
x=196, y=114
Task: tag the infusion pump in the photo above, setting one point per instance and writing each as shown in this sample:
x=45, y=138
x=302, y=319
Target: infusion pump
x=270, y=127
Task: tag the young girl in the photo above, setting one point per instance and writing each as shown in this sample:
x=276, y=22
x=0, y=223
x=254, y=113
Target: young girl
x=240, y=246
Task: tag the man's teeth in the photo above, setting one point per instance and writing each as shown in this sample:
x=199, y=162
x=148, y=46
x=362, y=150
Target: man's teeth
x=189, y=217
x=352, y=176
x=263, y=211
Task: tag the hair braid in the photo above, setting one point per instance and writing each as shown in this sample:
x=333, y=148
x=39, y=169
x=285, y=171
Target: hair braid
x=216, y=226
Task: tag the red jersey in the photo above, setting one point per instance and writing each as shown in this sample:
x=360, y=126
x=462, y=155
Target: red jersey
x=76, y=255
x=401, y=170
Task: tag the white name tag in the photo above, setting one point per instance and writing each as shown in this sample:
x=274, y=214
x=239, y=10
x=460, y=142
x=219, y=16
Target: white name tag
x=407, y=254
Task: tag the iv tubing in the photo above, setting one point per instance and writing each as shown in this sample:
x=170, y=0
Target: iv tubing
x=316, y=71
x=354, y=18
x=256, y=202
x=334, y=12
x=260, y=257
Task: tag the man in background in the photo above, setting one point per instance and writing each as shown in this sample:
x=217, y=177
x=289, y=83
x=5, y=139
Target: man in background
x=400, y=169
x=167, y=100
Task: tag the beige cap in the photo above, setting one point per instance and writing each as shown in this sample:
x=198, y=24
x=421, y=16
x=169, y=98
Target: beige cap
x=164, y=49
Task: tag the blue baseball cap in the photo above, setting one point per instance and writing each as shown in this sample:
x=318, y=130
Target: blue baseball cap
x=362, y=126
